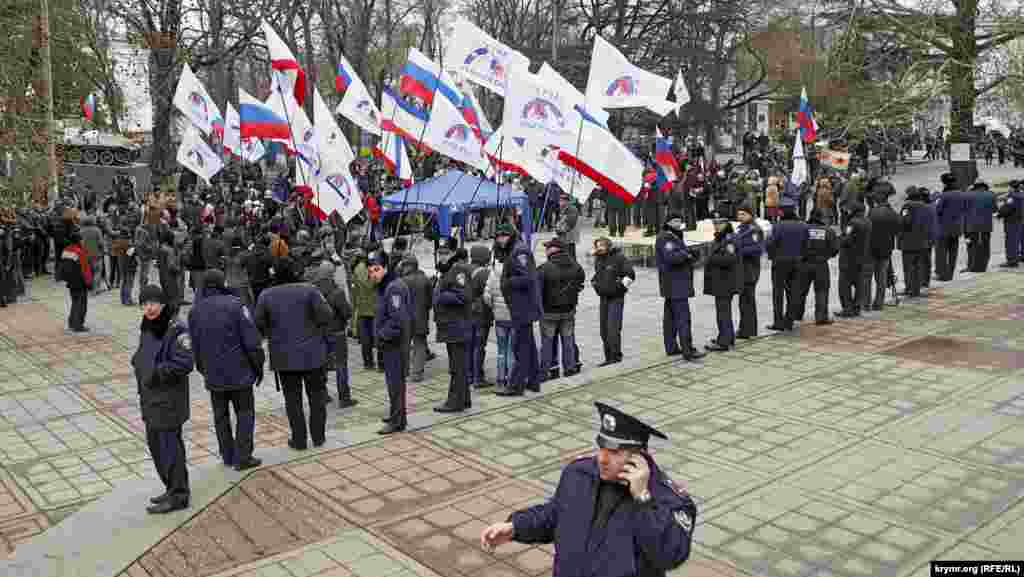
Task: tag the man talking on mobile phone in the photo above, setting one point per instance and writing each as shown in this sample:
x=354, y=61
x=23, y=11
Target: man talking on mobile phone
x=613, y=515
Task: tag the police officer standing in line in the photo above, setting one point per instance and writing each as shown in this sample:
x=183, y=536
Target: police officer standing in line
x=854, y=262
x=915, y=238
x=935, y=233
x=749, y=247
x=950, y=208
x=785, y=250
x=453, y=316
x=162, y=364
x=821, y=244
x=294, y=316
x=614, y=514
x=392, y=324
x=520, y=288
x=675, y=284
x=885, y=227
x=613, y=274
x=1012, y=213
x=723, y=278
x=229, y=355
x=981, y=204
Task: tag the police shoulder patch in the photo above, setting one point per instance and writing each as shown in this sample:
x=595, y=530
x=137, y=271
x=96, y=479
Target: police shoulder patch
x=670, y=245
x=184, y=342
x=245, y=313
x=1009, y=200
x=683, y=520
x=677, y=488
x=849, y=230
x=524, y=259
x=906, y=212
x=396, y=302
x=758, y=236
x=461, y=279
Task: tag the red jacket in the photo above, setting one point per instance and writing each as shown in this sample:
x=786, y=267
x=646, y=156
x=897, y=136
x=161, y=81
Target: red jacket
x=372, y=207
x=73, y=255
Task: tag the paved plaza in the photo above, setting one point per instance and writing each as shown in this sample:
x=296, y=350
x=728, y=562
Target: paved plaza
x=868, y=447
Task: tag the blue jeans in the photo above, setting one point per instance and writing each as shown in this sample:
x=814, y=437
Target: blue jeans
x=550, y=332
x=338, y=344
x=127, y=286
x=506, y=360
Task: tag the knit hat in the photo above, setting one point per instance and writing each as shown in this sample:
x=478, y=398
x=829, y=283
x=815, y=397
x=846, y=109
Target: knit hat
x=377, y=257
x=152, y=294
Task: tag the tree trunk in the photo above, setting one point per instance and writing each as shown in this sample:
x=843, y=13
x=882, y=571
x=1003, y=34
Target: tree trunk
x=962, y=94
x=309, y=59
x=162, y=81
x=220, y=88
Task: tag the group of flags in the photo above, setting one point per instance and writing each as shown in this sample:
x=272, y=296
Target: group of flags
x=550, y=130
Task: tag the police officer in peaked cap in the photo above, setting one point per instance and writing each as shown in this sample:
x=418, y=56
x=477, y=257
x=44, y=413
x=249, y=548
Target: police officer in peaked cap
x=616, y=513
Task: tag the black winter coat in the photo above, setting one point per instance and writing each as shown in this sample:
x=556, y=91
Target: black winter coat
x=855, y=244
x=452, y=304
x=561, y=281
x=723, y=275
x=422, y=292
x=228, y=348
x=162, y=364
x=338, y=300
x=294, y=317
x=609, y=270
x=885, y=227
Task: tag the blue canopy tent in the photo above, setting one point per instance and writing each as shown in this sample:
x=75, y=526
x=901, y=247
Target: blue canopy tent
x=450, y=195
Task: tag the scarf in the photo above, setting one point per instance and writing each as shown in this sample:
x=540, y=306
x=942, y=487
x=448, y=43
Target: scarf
x=160, y=324
x=76, y=252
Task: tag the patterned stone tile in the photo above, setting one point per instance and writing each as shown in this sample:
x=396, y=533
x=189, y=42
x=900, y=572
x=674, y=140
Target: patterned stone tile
x=82, y=476
x=79, y=361
x=13, y=502
x=1003, y=534
x=828, y=404
x=752, y=439
x=1004, y=396
x=354, y=553
x=859, y=335
x=962, y=551
x=261, y=516
x=907, y=380
x=782, y=531
x=962, y=354
x=39, y=405
x=384, y=479
x=708, y=482
x=918, y=488
x=719, y=377
x=15, y=531
x=964, y=431
x=83, y=431
x=973, y=310
x=517, y=439
x=797, y=358
x=18, y=373
x=652, y=402
x=997, y=333
x=201, y=439
x=447, y=538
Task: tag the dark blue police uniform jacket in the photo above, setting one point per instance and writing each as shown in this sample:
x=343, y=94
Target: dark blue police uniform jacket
x=639, y=540
x=162, y=366
x=393, y=315
x=675, y=267
x=228, y=349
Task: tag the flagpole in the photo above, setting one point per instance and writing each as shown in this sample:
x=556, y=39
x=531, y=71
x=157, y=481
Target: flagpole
x=291, y=131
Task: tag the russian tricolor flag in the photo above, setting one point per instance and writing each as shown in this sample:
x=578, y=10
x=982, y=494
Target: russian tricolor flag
x=421, y=78
x=257, y=120
x=88, y=106
x=664, y=158
x=402, y=118
x=805, y=118
x=343, y=79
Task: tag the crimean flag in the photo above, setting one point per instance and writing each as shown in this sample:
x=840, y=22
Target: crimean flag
x=88, y=106
x=282, y=60
x=805, y=118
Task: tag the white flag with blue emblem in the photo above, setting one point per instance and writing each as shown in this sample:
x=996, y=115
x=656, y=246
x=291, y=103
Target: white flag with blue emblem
x=192, y=99
x=195, y=155
x=615, y=82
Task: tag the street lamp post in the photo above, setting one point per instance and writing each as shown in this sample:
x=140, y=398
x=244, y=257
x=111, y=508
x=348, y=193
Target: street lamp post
x=51, y=148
